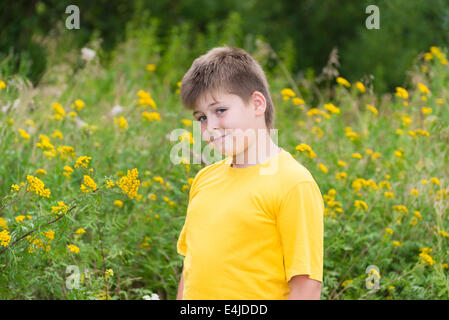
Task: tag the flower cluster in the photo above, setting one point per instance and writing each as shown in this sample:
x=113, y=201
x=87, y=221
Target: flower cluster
x=130, y=183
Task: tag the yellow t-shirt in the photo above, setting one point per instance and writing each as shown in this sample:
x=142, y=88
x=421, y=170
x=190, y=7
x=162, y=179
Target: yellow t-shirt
x=248, y=231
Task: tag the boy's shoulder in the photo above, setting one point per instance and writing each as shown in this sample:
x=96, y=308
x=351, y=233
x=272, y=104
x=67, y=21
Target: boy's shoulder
x=291, y=171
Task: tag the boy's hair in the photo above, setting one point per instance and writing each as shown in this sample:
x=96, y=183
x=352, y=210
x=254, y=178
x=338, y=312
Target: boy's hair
x=230, y=69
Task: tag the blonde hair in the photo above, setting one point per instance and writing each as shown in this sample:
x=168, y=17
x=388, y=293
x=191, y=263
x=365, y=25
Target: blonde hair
x=230, y=69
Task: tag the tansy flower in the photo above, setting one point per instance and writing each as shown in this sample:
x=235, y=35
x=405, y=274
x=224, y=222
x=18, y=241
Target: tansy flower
x=357, y=155
x=372, y=109
x=82, y=161
x=150, y=67
x=401, y=93
x=109, y=273
x=3, y=223
x=443, y=233
x=37, y=186
x=150, y=116
x=122, y=123
x=186, y=122
x=50, y=234
x=287, y=93
x=307, y=149
x=414, y=192
x=360, y=86
x=118, y=203
x=15, y=188
x=435, y=181
x=24, y=134
x=88, y=185
x=423, y=88
x=399, y=153
x=60, y=208
x=5, y=238
x=67, y=171
x=109, y=184
x=145, y=99
x=331, y=108
x=418, y=214
x=20, y=218
x=389, y=195
x=322, y=167
x=426, y=110
x=397, y=243
x=342, y=81
x=73, y=248
x=41, y=171
x=297, y=101
x=59, y=110
x=359, y=204
x=341, y=175
x=389, y=230
x=79, y=104
x=130, y=183
x=57, y=134
x=80, y=231
x=2, y=85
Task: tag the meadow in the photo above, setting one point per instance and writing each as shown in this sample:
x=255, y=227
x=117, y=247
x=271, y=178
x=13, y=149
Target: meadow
x=86, y=181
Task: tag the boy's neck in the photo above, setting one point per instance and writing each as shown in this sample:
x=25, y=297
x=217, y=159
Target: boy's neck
x=257, y=152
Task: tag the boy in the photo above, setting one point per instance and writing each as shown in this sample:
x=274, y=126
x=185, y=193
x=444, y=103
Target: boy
x=254, y=223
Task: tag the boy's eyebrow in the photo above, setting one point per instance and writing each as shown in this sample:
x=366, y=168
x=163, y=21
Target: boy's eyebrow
x=210, y=105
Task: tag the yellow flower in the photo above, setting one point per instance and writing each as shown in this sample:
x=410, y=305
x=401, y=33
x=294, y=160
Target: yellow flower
x=322, y=167
x=372, y=109
x=60, y=208
x=67, y=171
x=287, y=93
x=423, y=88
x=2, y=85
x=50, y=234
x=110, y=184
x=426, y=110
x=151, y=67
x=59, y=110
x=397, y=243
x=439, y=101
x=109, y=273
x=331, y=108
x=359, y=204
x=37, y=186
x=5, y=238
x=389, y=195
x=418, y=214
x=15, y=188
x=79, y=104
x=80, y=231
x=346, y=282
x=399, y=153
x=88, y=185
x=73, y=248
x=130, y=183
x=443, y=233
x=3, y=223
x=342, y=81
x=145, y=99
x=150, y=116
x=426, y=258
x=82, y=161
x=401, y=93
x=341, y=175
x=435, y=181
x=389, y=230
x=118, y=203
x=186, y=122
x=24, y=134
x=414, y=192
x=297, y=101
x=341, y=163
x=20, y=218
x=357, y=155
x=360, y=86
x=122, y=123
x=307, y=149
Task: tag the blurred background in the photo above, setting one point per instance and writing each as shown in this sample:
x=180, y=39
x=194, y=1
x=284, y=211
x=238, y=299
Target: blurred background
x=303, y=33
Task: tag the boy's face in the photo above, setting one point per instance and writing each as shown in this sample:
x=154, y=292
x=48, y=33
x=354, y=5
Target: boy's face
x=228, y=115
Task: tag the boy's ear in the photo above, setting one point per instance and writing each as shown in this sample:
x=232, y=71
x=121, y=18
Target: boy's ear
x=259, y=102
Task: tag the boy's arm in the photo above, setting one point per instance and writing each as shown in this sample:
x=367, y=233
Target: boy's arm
x=181, y=286
x=304, y=288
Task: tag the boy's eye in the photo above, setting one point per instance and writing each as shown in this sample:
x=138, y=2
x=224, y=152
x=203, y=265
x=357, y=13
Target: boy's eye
x=221, y=109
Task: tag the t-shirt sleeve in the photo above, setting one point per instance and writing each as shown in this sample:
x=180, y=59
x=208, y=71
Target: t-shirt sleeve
x=300, y=225
x=181, y=245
